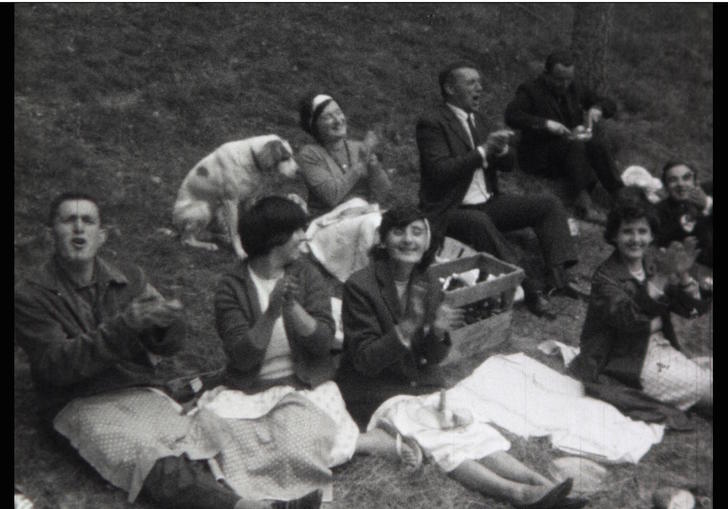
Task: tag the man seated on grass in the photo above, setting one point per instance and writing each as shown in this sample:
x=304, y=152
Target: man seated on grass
x=549, y=110
x=460, y=156
x=95, y=333
x=687, y=211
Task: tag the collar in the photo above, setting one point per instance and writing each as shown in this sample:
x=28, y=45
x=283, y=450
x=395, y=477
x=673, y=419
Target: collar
x=619, y=271
x=50, y=274
x=460, y=113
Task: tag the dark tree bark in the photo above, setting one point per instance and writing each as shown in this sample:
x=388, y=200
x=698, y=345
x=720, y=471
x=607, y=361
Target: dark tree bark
x=589, y=41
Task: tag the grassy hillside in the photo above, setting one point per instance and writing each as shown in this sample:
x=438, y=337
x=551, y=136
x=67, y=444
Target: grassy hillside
x=123, y=99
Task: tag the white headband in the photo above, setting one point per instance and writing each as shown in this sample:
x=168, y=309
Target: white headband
x=318, y=100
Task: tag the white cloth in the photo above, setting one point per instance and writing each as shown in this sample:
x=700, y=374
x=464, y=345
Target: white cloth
x=341, y=239
x=447, y=448
x=540, y=401
x=551, y=346
x=670, y=377
x=477, y=191
x=529, y=399
x=277, y=361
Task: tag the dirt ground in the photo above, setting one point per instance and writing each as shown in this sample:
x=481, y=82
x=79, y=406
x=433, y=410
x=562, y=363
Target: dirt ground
x=122, y=99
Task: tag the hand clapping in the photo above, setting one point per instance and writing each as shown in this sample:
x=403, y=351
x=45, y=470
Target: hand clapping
x=677, y=258
x=147, y=311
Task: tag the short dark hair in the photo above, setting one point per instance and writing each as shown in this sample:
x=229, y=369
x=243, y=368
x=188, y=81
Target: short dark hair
x=631, y=204
x=270, y=222
x=446, y=74
x=71, y=196
x=399, y=216
x=562, y=56
x=671, y=164
x=308, y=116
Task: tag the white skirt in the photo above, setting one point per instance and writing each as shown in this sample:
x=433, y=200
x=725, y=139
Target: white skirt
x=670, y=377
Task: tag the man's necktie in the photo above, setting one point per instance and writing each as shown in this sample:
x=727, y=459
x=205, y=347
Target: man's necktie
x=473, y=130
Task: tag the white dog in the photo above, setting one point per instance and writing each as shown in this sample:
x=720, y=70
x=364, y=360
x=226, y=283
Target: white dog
x=230, y=174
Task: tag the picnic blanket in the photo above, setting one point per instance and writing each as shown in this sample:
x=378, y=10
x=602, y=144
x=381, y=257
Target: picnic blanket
x=530, y=399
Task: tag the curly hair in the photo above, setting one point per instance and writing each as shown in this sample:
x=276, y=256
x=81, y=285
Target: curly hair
x=631, y=205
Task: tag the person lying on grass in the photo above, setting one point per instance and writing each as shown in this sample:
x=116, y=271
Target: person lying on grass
x=687, y=211
x=345, y=181
x=396, y=332
x=628, y=333
x=273, y=314
x=95, y=333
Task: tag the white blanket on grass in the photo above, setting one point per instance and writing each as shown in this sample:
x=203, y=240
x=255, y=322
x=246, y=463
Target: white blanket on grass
x=530, y=399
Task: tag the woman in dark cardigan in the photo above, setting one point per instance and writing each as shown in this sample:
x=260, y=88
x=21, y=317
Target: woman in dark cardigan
x=628, y=334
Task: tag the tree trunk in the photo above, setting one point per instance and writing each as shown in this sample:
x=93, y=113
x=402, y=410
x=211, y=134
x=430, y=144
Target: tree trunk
x=589, y=41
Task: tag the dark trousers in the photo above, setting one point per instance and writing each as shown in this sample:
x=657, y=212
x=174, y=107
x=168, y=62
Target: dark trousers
x=482, y=227
x=581, y=164
x=180, y=483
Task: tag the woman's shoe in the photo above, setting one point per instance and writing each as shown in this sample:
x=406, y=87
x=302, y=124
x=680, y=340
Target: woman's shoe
x=551, y=500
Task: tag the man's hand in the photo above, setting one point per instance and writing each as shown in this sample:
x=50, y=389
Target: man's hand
x=697, y=196
x=557, y=128
x=497, y=142
x=594, y=115
x=148, y=311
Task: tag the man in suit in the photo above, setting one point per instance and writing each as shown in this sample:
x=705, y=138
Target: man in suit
x=548, y=111
x=459, y=187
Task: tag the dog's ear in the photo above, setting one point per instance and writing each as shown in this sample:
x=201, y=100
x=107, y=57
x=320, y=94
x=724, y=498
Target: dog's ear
x=271, y=154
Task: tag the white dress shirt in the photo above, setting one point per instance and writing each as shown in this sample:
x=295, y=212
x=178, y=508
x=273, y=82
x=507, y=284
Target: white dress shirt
x=477, y=192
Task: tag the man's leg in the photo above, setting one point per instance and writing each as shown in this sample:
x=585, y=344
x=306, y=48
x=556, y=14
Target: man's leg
x=184, y=484
x=545, y=214
x=601, y=160
x=178, y=482
x=568, y=159
x=472, y=225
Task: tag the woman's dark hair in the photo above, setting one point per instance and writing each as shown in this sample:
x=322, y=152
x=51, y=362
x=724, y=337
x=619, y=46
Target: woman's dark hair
x=671, y=164
x=631, y=204
x=270, y=222
x=400, y=216
x=71, y=196
x=308, y=115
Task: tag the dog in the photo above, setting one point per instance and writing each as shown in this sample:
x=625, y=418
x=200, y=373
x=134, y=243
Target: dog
x=230, y=175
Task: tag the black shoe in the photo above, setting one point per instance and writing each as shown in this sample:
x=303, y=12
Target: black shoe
x=539, y=305
x=310, y=501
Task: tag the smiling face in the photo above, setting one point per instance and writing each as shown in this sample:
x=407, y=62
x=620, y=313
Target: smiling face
x=407, y=244
x=331, y=123
x=464, y=89
x=77, y=232
x=679, y=180
x=633, y=239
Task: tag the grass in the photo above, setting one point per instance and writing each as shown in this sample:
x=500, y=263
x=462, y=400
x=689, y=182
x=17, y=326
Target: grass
x=122, y=99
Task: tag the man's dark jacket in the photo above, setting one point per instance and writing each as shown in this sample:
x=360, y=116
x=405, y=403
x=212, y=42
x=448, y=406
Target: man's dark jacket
x=447, y=163
x=535, y=103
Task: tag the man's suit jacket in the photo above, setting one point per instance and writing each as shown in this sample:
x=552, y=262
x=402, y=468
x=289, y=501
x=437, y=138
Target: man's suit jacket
x=535, y=103
x=448, y=161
